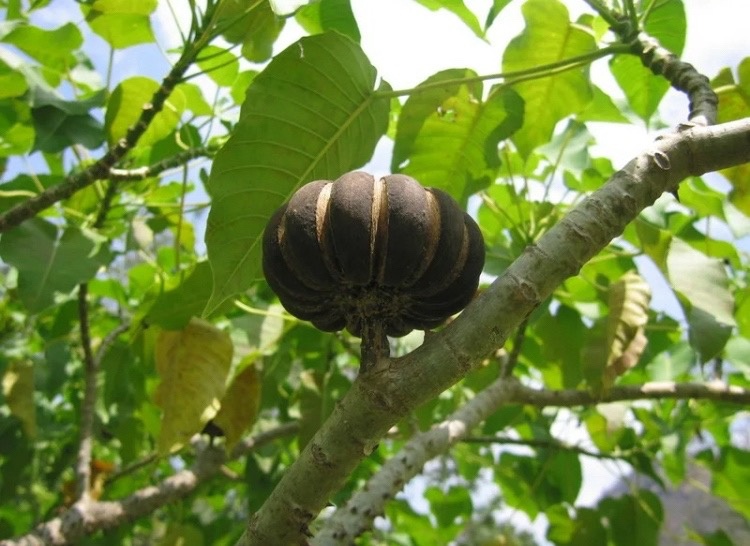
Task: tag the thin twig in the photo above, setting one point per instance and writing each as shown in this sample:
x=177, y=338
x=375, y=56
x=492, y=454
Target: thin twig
x=107, y=342
x=177, y=160
x=87, y=517
x=551, y=443
x=130, y=469
x=359, y=512
x=603, y=11
x=101, y=168
x=106, y=204
x=656, y=390
x=83, y=460
x=510, y=363
x=515, y=76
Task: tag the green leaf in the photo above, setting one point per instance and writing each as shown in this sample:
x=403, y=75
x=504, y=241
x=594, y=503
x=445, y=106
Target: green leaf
x=585, y=530
x=18, y=390
x=704, y=200
x=454, y=147
x=16, y=128
x=644, y=90
x=252, y=24
x=495, y=9
x=458, y=8
x=702, y=286
x=601, y=108
x=449, y=506
x=48, y=262
x=715, y=538
x=12, y=82
x=124, y=380
x=322, y=15
x=515, y=474
x=569, y=150
x=59, y=123
x=219, y=64
x=241, y=84
x=424, y=103
x=731, y=479
x=193, y=365
x=673, y=364
x=634, y=520
x=321, y=85
x=52, y=48
x=594, y=356
x=174, y=308
x=561, y=336
x=402, y=516
x=311, y=405
x=178, y=534
x=549, y=37
x=56, y=130
x=654, y=241
x=126, y=103
x=122, y=23
x=667, y=23
x=737, y=352
x=734, y=103
x=564, y=474
x=734, y=97
x=194, y=99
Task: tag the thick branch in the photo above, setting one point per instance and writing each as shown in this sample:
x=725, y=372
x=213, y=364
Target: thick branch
x=357, y=515
x=88, y=516
x=378, y=400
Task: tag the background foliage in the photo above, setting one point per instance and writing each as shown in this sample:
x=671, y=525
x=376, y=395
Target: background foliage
x=130, y=349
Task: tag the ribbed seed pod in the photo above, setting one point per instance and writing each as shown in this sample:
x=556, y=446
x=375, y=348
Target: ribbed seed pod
x=362, y=251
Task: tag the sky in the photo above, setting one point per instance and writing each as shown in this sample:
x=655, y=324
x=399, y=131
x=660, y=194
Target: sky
x=407, y=43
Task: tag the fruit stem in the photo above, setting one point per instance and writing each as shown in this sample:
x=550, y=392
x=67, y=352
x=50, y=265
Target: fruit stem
x=375, y=347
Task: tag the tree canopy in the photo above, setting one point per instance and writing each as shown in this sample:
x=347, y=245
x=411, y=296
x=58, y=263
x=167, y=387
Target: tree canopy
x=155, y=391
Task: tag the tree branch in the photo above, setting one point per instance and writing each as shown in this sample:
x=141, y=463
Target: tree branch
x=378, y=400
x=177, y=160
x=548, y=443
x=91, y=369
x=88, y=516
x=357, y=515
x=681, y=75
x=657, y=390
x=509, y=364
x=101, y=168
x=662, y=62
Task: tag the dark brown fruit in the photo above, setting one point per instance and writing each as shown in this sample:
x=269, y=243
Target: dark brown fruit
x=364, y=250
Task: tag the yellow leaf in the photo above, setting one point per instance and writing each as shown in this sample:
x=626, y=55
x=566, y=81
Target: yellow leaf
x=240, y=406
x=18, y=389
x=193, y=364
x=629, y=299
